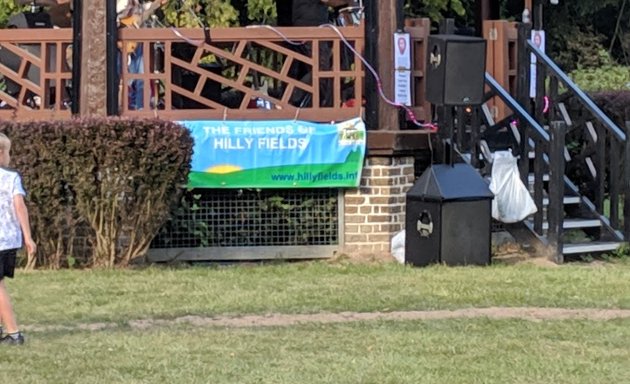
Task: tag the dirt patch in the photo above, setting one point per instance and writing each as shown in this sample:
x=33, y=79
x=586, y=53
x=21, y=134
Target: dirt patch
x=279, y=320
x=356, y=257
x=533, y=314
x=512, y=253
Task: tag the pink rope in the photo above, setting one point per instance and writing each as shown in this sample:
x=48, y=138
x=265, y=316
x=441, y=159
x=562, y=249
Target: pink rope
x=379, y=83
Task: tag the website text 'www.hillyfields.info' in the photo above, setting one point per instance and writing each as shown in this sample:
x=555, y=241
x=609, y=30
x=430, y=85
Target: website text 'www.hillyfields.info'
x=314, y=176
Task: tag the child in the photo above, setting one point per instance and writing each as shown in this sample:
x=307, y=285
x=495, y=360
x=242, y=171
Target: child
x=14, y=225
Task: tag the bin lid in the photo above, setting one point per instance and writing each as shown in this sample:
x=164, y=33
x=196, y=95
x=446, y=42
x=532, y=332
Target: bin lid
x=450, y=182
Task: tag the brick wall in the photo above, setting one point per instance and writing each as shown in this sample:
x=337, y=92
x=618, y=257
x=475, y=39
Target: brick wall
x=375, y=211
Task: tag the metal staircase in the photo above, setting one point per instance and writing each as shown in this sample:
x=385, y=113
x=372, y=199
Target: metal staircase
x=571, y=156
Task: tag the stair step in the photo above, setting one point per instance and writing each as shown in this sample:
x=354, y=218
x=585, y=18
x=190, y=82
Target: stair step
x=577, y=223
x=565, y=200
x=596, y=246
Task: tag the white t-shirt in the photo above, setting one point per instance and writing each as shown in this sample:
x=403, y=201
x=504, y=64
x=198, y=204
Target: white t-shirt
x=10, y=231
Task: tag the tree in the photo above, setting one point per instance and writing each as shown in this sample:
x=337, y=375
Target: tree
x=7, y=9
x=579, y=29
x=436, y=10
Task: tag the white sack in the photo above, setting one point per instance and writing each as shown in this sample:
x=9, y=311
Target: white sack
x=398, y=246
x=512, y=201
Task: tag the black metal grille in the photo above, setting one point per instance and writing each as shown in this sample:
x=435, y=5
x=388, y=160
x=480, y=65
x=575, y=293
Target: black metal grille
x=224, y=218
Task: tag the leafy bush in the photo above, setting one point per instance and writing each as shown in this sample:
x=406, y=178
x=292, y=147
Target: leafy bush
x=38, y=154
x=120, y=177
x=434, y=9
x=191, y=13
x=262, y=11
x=608, y=76
x=615, y=104
x=7, y=9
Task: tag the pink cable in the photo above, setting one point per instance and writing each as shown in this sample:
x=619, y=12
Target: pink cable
x=379, y=84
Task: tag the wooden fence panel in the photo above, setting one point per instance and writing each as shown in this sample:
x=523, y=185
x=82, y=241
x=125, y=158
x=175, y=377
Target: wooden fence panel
x=501, y=60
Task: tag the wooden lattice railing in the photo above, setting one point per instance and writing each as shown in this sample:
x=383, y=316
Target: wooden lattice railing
x=244, y=73
x=35, y=73
x=240, y=73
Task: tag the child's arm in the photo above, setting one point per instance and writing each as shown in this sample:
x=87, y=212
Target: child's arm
x=22, y=215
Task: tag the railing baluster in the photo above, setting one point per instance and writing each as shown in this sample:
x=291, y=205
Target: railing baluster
x=555, y=210
x=523, y=66
x=613, y=182
x=600, y=167
x=539, y=171
x=626, y=185
x=541, y=76
x=554, y=113
x=524, y=150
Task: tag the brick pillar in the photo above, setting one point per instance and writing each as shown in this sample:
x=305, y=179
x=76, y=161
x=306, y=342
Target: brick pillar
x=375, y=211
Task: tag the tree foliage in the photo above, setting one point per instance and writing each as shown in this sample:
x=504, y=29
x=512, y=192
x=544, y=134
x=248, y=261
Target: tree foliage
x=217, y=13
x=197, y=13
x=8, y=8
x=579, y=29
x=607, y=76
x=436, y=10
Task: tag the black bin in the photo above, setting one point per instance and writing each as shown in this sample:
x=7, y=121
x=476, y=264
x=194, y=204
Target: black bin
x=448, y=217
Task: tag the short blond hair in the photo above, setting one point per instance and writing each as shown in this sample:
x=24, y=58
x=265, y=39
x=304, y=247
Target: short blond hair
x=5, y=142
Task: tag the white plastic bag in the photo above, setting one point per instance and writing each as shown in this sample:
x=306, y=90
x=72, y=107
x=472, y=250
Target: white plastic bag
x=398, y=247
x=512, y=201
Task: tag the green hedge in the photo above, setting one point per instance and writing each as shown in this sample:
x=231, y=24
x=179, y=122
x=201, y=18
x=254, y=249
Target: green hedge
x=605, y=76
x=615, y=104
x=109, y=181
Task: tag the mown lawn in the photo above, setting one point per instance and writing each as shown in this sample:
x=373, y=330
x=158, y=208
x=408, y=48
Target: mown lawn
x=69, y=297
x=476, y=350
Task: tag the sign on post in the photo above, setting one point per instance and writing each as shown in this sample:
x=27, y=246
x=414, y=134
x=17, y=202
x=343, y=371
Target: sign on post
x=402, y=69
x=538, y=38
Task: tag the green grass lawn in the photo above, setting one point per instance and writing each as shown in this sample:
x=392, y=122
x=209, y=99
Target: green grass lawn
x=69, y=297
x=449, y=351
x=475, y=350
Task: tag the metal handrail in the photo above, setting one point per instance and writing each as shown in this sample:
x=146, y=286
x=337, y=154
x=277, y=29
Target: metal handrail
x=583, y=97
x=516, y=107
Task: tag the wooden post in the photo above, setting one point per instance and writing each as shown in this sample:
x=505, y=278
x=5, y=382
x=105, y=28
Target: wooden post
x=537, y=16
x=522, y=94
x=387, y=25
x=626, y=185
x=93, y=78
x=485, y=10
x=113, y=56
x=371, y=55
x=555, y=210
x=77, y=37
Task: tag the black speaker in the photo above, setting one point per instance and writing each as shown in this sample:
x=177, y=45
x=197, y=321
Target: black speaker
x=456, y=67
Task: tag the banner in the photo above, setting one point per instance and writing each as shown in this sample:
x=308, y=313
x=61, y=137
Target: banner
x=276, y=154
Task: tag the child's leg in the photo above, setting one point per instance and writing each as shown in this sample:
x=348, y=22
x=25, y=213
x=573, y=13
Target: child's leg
x=6, y=310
